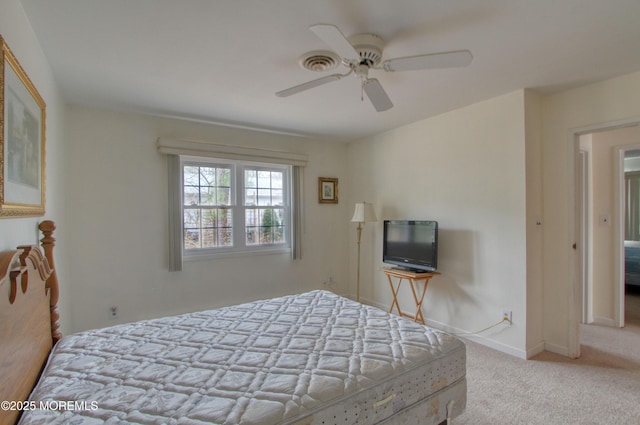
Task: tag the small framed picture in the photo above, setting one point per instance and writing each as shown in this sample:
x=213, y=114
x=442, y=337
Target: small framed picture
x=327, y=190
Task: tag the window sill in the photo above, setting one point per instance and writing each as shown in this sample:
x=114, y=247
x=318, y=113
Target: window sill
x=211, y=255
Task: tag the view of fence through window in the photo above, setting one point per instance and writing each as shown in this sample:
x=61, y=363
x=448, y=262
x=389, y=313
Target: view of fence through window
x=208, y=219
x=209, y=206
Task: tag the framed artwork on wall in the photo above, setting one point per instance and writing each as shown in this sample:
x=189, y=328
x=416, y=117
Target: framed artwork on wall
x=327, y=190
x=22, y=140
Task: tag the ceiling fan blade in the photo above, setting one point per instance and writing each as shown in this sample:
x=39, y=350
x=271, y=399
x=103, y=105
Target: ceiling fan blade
x=376, y=94
x=334, y=38
x=430, y=61
x=308, y=85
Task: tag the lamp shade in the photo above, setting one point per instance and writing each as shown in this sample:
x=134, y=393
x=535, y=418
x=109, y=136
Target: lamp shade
x=364, y=213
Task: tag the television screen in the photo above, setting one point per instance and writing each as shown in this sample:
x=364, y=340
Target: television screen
x=411, y=244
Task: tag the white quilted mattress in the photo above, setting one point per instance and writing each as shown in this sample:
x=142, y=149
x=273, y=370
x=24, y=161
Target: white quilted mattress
x=314, y=358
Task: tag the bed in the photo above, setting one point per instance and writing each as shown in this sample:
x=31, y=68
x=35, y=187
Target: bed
x=311, y=358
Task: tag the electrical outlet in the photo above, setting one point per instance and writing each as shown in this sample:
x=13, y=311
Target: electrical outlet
x=113, y=311
x=506, y=315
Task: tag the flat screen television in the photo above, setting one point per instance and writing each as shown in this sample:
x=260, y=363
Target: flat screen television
x=411, y=244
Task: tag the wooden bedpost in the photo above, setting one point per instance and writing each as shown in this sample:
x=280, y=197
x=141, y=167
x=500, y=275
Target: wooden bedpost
x=47, y=228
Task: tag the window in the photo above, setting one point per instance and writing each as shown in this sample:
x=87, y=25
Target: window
x=206, y=213
x=273, y=224
x=231, y=206
x=265, y=206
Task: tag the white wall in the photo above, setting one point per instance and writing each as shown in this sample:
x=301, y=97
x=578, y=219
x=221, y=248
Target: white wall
x=602, y=233
x=118, y=226
x=597, y=105
x=18, y=34
x=465, y=169
x=534, y=223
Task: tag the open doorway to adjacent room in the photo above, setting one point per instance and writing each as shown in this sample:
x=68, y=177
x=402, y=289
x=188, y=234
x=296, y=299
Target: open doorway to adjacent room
x=607, y=183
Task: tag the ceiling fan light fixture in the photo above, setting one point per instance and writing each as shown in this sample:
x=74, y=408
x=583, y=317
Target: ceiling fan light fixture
x=369, y=47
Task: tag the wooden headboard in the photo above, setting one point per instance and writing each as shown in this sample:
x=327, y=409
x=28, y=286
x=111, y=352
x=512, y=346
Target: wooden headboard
x=28, y=317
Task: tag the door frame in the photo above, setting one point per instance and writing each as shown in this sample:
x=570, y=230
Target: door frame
x=584, y=236
x=576, y=257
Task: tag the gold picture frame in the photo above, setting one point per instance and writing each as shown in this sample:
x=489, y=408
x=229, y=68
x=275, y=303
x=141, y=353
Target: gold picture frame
x=327, y=190
x=22, y=141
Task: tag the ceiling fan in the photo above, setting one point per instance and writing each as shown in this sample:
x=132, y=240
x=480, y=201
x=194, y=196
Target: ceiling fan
x=362, y=53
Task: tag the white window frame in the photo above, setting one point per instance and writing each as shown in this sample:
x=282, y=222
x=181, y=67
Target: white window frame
x=205, y=162
x=238, y=208
x=286, y=202
x=175, y=149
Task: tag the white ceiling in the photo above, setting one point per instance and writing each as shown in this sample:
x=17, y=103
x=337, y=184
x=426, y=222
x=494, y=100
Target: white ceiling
x=222, y=60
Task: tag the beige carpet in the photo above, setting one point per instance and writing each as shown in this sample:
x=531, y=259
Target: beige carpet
x=601, y=387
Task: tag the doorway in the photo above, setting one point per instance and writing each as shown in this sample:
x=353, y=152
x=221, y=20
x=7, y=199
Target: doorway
x=629, y=181
x=599, y=158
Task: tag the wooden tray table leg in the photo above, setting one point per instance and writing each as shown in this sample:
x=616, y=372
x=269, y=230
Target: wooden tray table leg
x=394, y=292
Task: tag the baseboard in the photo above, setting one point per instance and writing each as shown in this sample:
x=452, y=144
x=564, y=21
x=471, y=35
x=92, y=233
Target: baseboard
x=604, y=321
x=461, y=333
x=537, y=349
x=507, y=349
x=371, y=303
x=557, y=349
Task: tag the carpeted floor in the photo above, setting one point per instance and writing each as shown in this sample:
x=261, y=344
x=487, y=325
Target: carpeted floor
x=601, y=387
